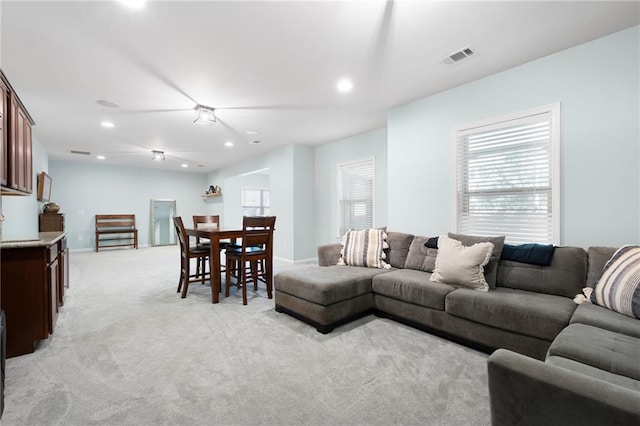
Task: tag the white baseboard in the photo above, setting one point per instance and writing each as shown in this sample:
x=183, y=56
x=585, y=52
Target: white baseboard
x=93, y=249
x=311, y=260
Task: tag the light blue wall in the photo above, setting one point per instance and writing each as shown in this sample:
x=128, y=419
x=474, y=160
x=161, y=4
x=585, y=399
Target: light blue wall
x=303, y=202
x=21, y=212
x=327, y=158
x=233, y=196
x=282, y=171
x=83, y=190
x=598, y=86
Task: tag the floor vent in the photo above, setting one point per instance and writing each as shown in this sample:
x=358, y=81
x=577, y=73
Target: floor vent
x=80, y=152
x=458, y=56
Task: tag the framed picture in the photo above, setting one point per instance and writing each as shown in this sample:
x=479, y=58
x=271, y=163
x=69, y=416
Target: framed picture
x=44, y=187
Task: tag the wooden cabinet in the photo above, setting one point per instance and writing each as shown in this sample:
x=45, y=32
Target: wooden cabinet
x=32, y=291
x=4, y=120
x=50, y=222
x=63, y=266
x=53, y=281
x=17, y=165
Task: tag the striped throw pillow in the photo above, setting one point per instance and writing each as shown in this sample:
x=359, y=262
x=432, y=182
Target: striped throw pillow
x=364, y=248
x=618, y=288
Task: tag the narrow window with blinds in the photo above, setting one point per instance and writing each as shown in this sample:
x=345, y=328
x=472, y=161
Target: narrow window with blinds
x=255, y=202
x=355, y=195
x=507, y=177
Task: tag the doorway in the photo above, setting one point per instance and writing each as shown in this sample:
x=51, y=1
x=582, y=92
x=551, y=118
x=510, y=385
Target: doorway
x=162, y=213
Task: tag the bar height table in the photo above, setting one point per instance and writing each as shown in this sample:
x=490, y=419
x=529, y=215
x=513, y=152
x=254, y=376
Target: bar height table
x=214, y=236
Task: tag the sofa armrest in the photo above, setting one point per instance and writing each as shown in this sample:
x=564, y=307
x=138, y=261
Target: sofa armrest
x=526, y=391
x=329, y=254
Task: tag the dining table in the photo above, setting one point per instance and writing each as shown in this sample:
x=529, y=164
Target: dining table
x=214, y=235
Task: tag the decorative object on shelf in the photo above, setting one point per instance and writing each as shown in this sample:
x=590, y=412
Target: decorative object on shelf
x=214, y=190
x=51, y=208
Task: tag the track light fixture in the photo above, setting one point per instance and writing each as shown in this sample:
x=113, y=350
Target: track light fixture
x=158, y=155
x=205, y=115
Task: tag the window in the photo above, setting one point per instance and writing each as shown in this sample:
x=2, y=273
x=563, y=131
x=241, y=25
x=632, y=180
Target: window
x=355, y=195
x=507, y=177
x=255, y=202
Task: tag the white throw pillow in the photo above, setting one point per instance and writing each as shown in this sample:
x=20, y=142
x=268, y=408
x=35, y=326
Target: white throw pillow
x=618, y=289
x=364, y=248
x=460, y=265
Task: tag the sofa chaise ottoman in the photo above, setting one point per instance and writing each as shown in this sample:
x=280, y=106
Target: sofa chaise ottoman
x=329, y=295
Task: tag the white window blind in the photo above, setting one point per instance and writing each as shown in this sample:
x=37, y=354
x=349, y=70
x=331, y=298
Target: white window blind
x=255, y=202
x=355, y=195
x=507, y=177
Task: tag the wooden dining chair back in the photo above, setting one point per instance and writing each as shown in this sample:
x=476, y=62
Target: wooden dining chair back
x=203, y=222
x=254, y=256
x=188, y=252
x=200, y=222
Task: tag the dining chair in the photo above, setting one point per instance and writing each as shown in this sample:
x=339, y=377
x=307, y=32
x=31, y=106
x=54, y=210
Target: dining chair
x=254, y=256
x=204, y=222
x=188, y=252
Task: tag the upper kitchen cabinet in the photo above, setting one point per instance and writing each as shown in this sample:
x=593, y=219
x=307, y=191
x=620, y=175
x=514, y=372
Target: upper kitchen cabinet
x=4, y=118
x=17, y=168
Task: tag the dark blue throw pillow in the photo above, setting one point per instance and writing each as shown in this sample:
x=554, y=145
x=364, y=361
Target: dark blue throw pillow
x=535, y=254
x=432, y=243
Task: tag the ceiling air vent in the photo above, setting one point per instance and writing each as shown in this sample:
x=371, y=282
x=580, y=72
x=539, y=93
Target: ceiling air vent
x=80, y=152
x=458, y=56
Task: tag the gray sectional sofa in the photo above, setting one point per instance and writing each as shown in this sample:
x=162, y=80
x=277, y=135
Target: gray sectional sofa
x=555, y=362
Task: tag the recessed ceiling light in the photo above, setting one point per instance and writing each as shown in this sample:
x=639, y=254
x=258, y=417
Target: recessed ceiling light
x=107, y=124
x=184, y=165
x=345, y=85
x=133, y=4
x=228, y=144
x=101, y=157
x=252, y=132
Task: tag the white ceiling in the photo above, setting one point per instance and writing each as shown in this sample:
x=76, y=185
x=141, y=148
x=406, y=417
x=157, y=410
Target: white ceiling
x=265, y=66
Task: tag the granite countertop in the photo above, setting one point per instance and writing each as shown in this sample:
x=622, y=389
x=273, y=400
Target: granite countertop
x=40, y=239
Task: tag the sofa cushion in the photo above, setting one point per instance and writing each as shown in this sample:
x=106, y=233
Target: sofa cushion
x=535, y=254
x=528, y=313
x=461, y=265
x=607, y=350
x=491, y=270
x=364, y=248
x=618, y=288
x=597, y=316
x=398, y=250
x=411, y=286
x=420, y=257
x=564, y=277
x=597, y=373
x=326, y=285
x=329, y=254
x=598, y=257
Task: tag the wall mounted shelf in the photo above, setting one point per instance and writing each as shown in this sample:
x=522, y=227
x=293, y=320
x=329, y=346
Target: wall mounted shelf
x=212, y=198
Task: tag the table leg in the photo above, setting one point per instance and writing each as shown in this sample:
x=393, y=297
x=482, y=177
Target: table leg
x=214, y=268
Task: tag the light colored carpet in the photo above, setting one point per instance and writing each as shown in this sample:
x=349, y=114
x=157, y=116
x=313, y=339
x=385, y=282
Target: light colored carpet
x=128, y=351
